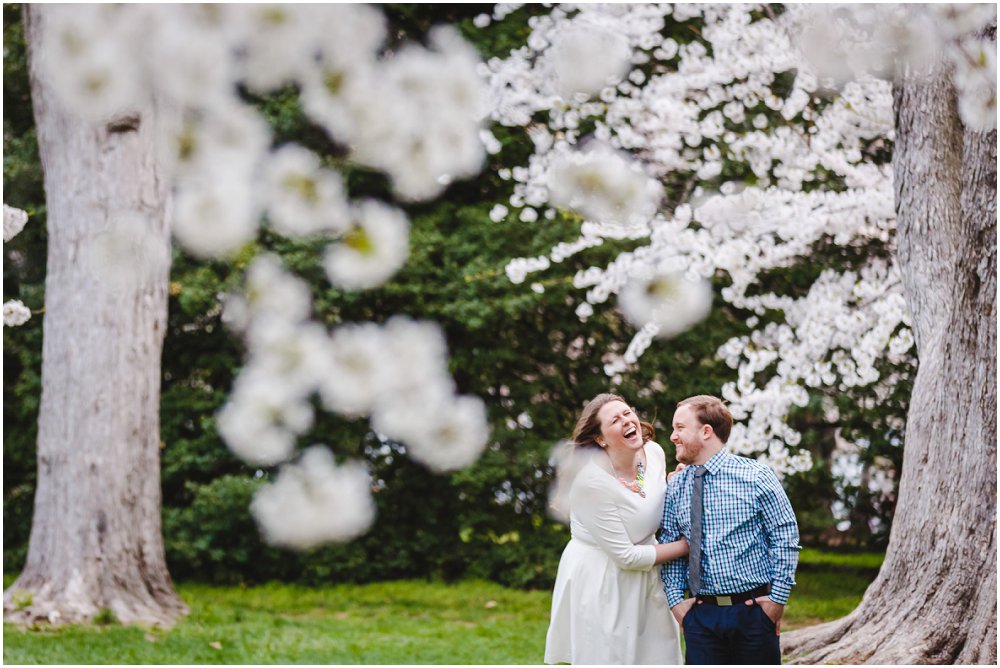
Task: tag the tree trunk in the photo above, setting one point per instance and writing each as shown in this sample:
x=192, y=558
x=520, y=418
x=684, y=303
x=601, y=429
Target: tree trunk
x=96, y=541
x=935, y=598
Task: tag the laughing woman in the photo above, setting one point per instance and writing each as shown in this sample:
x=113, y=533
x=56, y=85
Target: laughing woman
x=608, y=605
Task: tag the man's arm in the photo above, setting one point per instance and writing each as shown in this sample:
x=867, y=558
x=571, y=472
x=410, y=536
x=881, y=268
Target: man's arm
x=673, y=573
x=781, y=533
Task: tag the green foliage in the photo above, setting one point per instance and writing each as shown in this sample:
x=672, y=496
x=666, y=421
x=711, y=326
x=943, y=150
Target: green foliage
x=401, y=622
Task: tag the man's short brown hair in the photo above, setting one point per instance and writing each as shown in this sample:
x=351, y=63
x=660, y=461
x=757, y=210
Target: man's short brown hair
x=711, y=411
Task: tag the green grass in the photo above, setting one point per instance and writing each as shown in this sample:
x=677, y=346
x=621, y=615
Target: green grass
x=404, y=622
x=871, y=561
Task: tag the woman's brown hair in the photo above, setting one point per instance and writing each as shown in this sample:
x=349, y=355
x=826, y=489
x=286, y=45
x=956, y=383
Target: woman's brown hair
x=588, y=426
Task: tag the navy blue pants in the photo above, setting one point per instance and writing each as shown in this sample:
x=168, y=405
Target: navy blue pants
x=731, y=634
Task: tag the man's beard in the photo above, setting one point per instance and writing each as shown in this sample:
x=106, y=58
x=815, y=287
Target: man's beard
x=688, y=452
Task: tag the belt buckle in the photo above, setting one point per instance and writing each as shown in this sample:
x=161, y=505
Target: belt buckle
x=724, y=600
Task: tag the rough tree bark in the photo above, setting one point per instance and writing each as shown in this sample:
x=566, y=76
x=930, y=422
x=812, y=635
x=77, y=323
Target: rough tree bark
x=935, y=598
x=96, y=541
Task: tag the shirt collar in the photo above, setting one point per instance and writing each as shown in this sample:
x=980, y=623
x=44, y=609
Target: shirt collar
x=714, y=465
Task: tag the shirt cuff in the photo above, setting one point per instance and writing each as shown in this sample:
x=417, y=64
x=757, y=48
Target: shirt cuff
x=780, y=593
x=674, y=597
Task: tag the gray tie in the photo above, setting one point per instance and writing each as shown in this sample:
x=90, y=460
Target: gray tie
x=694, y=557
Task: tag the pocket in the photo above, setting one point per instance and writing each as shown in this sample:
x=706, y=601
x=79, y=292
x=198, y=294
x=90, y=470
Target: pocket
x=767, y=620
x=687, y=617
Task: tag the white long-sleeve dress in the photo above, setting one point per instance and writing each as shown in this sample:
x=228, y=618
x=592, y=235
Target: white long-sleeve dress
x=608, y=605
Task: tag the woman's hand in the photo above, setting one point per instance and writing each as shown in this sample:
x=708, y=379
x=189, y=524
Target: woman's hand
x=680, y=467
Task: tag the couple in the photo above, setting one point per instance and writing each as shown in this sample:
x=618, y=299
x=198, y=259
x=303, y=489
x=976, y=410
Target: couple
x=729, y=537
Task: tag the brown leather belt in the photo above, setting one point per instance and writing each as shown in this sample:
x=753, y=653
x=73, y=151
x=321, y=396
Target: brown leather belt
x=733, y=599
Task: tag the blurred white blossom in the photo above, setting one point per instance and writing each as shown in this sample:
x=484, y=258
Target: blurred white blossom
x=604, y=186
x=302, y=197
x=395, y=373
x=585, y=58
x=358, y=371
x=264, y=32
x=314, y=501
x=498, y=213
x=87, y=54
x=14, y=220
x=260, y=421
x=15, y=313
x=419, y=116
x=673, y=301
x=441, y=431
x=215, y=217
x=372, y=250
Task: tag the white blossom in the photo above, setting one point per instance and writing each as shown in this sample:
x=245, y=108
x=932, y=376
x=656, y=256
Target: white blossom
x=519, y=268
x=602, y=185
x=959, y=19
x=274, y=293
x=673, y=301
x=262, y=418
x=264, y=32
x=421, y=116
x=498, y=213
x=359, y=369
x=302, y=197
x=975, y=77
x=315, y=501
x=419, y=354
x=85, y=54
x=585, y=58
x=294, y=354
x=441, y=431
x=15, y=313
x=349, y=34
x=230, y=140
x=14, y=220
x=373, y=249
x=216, y=217
x=194, y=40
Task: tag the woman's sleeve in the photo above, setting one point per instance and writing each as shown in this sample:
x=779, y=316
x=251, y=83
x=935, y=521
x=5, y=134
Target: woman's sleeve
x=594, y=507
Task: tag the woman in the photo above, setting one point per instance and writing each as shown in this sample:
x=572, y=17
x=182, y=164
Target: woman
x=608, y=604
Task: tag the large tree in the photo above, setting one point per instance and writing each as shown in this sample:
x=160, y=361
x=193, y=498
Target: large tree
x=935, y=599
x=96, y=542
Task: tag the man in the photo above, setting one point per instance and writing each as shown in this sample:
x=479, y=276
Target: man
x=743, y=538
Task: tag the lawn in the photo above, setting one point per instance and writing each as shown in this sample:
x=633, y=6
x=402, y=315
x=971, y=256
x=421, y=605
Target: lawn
x=402, y=622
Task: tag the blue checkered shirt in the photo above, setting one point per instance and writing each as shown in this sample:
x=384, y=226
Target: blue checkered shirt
x=749, y=534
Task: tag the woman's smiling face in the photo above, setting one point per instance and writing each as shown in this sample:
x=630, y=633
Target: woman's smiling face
x=620, y=426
